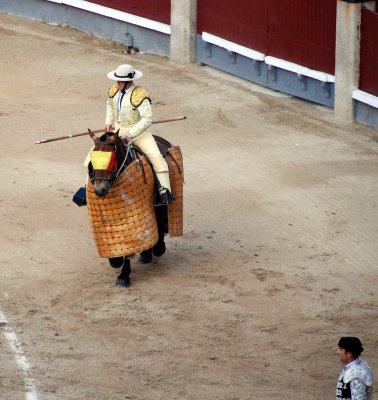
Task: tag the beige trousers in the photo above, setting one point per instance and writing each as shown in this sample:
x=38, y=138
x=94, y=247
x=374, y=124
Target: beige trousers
x=146, y=142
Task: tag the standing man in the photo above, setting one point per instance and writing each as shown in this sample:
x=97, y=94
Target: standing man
x=129, y=111
x=356, y=379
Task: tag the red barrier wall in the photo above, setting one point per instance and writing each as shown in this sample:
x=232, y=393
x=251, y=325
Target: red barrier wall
x=303, y=32
x=369, y=52
x=241, y=22
x=157, y=10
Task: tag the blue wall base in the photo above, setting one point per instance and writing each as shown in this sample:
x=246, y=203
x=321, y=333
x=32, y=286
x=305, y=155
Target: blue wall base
x=146, y=40
x=266, y=75
x=366, y=115
x=231, y=62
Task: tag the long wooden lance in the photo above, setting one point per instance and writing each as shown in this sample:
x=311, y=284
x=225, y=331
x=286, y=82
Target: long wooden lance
x=159, y=121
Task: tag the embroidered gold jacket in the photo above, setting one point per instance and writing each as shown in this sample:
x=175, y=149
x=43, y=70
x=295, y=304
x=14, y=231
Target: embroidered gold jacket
x=135, y=115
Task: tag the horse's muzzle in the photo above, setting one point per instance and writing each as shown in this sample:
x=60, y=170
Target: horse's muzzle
x=101, y=189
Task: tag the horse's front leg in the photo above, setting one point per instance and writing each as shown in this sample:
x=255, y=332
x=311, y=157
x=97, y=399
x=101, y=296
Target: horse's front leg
x=116, y=262
x=123, y=278
x=158, y=250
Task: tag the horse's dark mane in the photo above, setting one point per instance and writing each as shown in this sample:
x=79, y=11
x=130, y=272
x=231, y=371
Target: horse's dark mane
x=105, y=136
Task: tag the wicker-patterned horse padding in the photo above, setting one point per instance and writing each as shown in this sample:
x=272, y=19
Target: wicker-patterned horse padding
x=176, y=174
x=123, y=223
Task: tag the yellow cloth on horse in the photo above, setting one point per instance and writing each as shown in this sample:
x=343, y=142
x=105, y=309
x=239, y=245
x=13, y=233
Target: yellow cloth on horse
x=88, y=157
x=100, y=159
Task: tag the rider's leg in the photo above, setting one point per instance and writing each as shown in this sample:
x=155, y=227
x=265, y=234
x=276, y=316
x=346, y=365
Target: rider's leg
x=147, y=144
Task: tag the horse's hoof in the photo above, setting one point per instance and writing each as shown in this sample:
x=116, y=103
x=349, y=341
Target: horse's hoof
x=159, y=250
x=145, y=258
x=123, y=282
x=116, y=262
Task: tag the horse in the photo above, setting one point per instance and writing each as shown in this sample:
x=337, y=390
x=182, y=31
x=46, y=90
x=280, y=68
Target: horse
x=124, y=205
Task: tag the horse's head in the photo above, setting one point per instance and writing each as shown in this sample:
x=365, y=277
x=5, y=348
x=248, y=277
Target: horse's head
x=107, y=157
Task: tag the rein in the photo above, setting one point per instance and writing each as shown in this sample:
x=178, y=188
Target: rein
x=129, y=148
x=135, y=156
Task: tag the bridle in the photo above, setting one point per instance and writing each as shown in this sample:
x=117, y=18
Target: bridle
x=112, y=166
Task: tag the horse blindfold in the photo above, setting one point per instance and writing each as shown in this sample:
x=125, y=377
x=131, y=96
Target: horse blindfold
x=103, y=160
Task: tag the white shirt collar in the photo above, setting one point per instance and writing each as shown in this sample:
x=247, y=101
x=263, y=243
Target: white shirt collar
x=351, y=363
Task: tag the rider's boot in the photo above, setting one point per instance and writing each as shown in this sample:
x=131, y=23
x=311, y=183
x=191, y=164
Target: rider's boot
x=165, y=196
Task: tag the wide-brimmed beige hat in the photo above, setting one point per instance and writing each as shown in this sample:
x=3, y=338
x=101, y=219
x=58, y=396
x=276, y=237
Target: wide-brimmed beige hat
x=124, y=72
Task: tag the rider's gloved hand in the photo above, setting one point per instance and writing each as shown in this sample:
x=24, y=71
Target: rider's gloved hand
x=108, y=128
x=126, y=137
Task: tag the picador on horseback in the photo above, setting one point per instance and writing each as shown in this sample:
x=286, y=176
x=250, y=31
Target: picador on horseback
x=134, y=192
x=129, y=110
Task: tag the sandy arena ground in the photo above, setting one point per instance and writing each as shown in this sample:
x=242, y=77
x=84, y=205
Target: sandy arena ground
x=278, y=260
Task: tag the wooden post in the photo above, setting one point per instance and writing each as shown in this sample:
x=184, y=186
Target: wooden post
x=347, y=68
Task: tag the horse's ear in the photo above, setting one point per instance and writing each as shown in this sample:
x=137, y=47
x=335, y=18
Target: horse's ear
x=117, y=133
x=91, y=134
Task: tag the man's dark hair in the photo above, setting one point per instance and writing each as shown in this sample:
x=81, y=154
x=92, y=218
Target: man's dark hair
x=352, y=345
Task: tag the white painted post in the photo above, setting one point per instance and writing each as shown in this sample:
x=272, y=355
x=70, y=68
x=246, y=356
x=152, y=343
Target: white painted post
x=347, y=71
x=183, y=31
